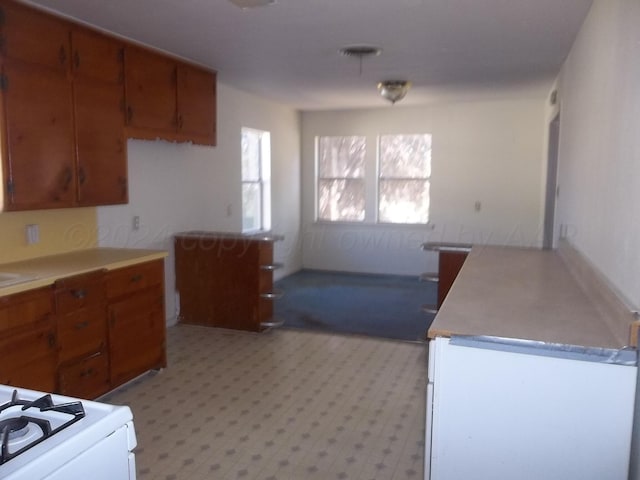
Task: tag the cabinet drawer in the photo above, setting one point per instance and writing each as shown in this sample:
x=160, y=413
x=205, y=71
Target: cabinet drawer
x=131, y=279
x=87, y=378
x=79, y=291
x=82, y=333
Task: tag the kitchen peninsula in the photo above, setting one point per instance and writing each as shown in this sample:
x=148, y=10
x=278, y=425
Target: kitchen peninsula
x=532, y=371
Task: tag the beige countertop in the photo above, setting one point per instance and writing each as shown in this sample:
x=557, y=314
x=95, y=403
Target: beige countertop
x=44, y=271
x=526, y=294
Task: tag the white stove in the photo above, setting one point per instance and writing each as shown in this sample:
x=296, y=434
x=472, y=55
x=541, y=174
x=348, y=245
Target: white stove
x=54, y=437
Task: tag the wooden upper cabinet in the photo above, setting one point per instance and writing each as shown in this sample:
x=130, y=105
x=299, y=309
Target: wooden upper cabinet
x=39, y=145
x=96, y=57
x=197, y=102
x=100, y=143
x=150, y=87
x=169, y=99
x=98, y=92
x=34, y=37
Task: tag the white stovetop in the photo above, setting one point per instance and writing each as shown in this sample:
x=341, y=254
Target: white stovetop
x=99, y=422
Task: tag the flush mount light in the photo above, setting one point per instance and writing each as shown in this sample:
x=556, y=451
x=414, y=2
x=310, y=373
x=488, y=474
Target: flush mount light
x=360, y=52
x=394, y=90
x=247, y=4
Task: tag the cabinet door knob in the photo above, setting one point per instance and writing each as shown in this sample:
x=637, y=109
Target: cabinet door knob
x=136, y=278
x=79, y=293
x=62, y=55
x=81, y=325
x=81, y=176
x=129, y=114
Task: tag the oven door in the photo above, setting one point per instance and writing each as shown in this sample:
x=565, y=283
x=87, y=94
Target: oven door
x=109, y=459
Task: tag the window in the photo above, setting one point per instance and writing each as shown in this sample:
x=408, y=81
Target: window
x=256, y=180
x=403, y=178
x=400, y=168
x=340, y=174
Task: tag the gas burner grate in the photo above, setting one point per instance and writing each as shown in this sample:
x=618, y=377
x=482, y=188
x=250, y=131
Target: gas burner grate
x=43, y=404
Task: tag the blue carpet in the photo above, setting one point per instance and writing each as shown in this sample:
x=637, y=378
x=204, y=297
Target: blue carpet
x=387, y=306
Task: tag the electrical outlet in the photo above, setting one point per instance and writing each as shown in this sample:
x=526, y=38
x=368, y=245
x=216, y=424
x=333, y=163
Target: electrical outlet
x=229, y=210
x=32, y=232
x=136, y=223
x=477, y=206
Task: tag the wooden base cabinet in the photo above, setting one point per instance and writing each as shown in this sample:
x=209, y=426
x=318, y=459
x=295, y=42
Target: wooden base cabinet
x=226, y=280
x=137, y=339
x=28, y=340
x=82, y=335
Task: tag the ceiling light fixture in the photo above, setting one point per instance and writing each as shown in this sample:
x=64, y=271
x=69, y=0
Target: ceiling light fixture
x=360, y=52
x=394, y=90
x=247, y=4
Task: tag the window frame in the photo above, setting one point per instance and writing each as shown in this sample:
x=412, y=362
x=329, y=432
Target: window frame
x=319, y=179
x=371, y=181
x=263, y=180
x=380, y=179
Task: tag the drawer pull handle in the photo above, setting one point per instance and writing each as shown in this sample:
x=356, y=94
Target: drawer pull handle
x=81, y=325
x=136, y=278
x=271, y=267
x=86, y=373
x=79, y=294
x=272, y=295
x=273, y=323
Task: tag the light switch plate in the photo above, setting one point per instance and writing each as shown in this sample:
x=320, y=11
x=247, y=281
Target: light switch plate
x=32, y=232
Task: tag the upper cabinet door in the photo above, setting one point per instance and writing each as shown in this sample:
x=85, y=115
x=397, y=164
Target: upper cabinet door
x=197, y=103
x=100, y=143
x=150, y=89
x=96, y=57
x=34, y=37
x=39, y=164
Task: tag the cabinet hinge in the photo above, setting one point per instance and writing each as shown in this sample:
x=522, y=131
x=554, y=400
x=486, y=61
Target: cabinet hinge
x=4, y=82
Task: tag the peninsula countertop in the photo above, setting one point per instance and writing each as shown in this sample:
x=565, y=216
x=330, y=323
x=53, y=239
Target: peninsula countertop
x=44, y=271
x=527, y=294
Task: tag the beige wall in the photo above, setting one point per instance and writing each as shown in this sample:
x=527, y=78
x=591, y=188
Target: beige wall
x=486, y=150
x=61, y=231
x=599, y=171
x=178, y=187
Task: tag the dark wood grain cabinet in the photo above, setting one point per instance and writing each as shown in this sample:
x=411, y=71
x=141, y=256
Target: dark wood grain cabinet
x=169, y=99
x=28, y=340
x=137, y=338
x=86, y=334
x=81, y=312
x=449, y=265
x=225, y=281
x=62, y=92
x=98, y=94
x=70, y=96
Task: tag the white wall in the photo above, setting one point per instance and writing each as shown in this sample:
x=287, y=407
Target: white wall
x=487, y=150
x=178, y=187
x=599, y=172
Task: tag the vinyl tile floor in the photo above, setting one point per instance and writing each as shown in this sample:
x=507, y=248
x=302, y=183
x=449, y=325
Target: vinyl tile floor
x=281, y=405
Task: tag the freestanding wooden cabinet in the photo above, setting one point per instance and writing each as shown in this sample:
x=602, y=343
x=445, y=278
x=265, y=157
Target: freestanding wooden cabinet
x=450, y=259
x=226, y=280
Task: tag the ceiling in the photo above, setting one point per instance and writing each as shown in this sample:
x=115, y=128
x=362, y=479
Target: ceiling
x=288, y=51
